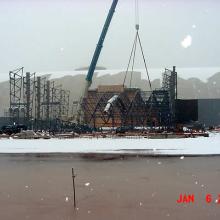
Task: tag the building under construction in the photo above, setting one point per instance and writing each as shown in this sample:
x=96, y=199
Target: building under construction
x=40, y=104
x=117, y=106
x=36, y=102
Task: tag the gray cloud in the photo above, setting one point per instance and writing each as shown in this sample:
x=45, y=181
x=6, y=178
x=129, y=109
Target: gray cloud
x=62, y=35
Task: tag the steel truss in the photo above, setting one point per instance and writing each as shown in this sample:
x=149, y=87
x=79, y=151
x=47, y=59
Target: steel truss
x=127, y=110
x=133, y=107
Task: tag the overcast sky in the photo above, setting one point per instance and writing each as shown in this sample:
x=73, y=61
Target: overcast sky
x=56, y=35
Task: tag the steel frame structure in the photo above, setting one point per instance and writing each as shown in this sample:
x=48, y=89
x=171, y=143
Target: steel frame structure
x=28, y=96
x=126, y=111
x=133, y=107
x=55, y=105
x=36, y=101
x=15, y=84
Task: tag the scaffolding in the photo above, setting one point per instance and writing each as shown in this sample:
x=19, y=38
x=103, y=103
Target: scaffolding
x=28, y=97
x=55, y=105
x=16, y=84
x=169, y=84
x=36, y=101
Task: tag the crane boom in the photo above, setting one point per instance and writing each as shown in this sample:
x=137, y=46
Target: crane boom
x=100, y=42
x=91, y=70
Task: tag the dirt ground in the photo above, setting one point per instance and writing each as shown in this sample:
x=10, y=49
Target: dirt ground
x=40, y=188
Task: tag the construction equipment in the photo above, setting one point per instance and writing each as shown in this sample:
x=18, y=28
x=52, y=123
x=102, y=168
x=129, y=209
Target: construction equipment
x=117, y=105
x=89, y=76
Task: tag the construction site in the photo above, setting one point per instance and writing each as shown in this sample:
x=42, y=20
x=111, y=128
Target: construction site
x=38, y=104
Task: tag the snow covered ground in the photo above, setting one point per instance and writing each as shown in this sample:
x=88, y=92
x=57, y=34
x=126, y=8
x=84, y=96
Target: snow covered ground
x=189, y=146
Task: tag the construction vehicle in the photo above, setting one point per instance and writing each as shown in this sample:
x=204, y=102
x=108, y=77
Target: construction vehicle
x=92, y=67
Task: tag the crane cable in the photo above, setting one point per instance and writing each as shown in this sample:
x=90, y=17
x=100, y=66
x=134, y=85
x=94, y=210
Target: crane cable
x=133, y=61
x=145, y=63
x=137, y=14
x=134, y=48
x=131, y=55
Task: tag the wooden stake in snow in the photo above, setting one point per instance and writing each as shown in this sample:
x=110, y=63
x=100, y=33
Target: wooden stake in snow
x=74, y=189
